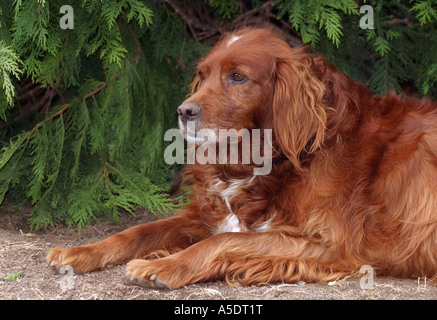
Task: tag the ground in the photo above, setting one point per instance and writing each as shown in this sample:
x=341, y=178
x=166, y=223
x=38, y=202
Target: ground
x=25, y=274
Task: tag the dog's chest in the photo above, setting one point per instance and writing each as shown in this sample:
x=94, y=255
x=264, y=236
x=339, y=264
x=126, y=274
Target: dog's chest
x=231, y=222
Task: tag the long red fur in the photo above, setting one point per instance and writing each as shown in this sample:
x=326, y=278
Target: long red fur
x=353, y=180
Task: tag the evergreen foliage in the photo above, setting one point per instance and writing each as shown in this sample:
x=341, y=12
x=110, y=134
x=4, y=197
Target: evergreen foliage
x=400, y=50
x=83, y=112
x=99, y=147
x=313, y=16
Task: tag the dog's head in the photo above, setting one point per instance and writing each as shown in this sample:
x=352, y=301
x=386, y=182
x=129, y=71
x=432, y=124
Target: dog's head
x=253, y=79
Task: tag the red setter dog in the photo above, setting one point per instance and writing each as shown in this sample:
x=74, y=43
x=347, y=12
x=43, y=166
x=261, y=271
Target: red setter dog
x=353, y=180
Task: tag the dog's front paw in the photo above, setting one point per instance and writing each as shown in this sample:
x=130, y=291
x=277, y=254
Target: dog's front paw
x=80, y=259
x=155, y=274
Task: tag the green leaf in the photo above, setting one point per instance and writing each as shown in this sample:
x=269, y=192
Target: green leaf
x=111, y=10
x=310, y=17
x=431, y=78
x=426, y=11
x=9, y=65
x=8, y=151
x=139, y=12
x=330, y=20
x=13, y=277
x=381, y=45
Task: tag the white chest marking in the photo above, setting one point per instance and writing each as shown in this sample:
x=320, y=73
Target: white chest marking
x=229, y=224
x=232, y=190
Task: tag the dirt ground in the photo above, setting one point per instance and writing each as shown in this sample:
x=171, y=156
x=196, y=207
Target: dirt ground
x=24, y=273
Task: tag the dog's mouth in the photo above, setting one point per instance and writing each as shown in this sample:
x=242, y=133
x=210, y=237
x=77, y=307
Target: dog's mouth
x=194, y=133
x=188, y=128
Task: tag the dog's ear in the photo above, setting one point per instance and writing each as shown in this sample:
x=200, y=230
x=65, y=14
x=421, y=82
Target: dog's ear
x=299, y=117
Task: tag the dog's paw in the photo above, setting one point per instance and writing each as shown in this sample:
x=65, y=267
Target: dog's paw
x=148, y=274
x=63, y=269
x=78, y=258
x=57, y=257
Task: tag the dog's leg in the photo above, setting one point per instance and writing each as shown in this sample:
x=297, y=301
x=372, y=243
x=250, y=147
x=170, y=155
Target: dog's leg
x=135, y=242
x=243, y=259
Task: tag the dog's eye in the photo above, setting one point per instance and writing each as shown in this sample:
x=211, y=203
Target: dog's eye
x=238, y=77
x=201, y=75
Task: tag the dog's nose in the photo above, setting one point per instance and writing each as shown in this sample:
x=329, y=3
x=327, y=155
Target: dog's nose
x=189, y=111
